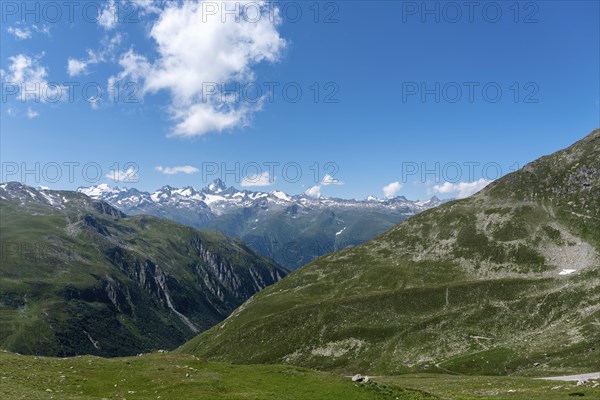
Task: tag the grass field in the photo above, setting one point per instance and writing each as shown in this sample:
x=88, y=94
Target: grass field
x=166, y=376
x=177, y=376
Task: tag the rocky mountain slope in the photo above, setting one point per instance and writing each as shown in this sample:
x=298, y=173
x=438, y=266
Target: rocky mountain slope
x=291, y=230
x=502, y=282
x=78, y=276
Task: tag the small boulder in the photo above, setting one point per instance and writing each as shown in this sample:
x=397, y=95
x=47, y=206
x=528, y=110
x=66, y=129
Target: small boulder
x=357, y=378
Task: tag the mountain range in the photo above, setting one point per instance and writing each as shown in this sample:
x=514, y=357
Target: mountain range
x=291, y=230
x=505, y=281
x=80, y=277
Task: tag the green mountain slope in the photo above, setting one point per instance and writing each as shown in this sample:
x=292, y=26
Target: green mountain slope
x=79, y=277
x=502, y=282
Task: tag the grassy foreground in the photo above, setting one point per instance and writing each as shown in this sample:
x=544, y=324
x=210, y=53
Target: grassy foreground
x=176, y=376
x=167, y=376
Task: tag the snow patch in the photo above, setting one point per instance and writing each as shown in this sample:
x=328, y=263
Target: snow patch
x=210, y=198
x=567, y=271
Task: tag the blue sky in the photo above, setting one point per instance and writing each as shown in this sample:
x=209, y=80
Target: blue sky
x=394, y=94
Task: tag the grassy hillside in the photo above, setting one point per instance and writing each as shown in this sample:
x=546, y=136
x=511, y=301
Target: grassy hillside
x=79, y=277
x=503, y=282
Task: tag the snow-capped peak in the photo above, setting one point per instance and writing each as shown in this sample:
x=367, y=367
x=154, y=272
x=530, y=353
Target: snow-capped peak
x=280, y=195
x=216, y=186
x=216, y=199
x=99, y=190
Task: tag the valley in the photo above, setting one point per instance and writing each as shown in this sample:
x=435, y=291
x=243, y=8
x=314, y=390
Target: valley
x=290, y=230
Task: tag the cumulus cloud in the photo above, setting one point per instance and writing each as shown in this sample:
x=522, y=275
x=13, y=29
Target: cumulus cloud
x=25, y=72
x=203, y=118
x=330, y=180
x=314, y=191
x=390, y=190
x=461, y=189
x=127, y=175
x=76, y=67
x=183, y=169
x=108, y=16
x=262, y=179
x=196, y=50
x=25, y=69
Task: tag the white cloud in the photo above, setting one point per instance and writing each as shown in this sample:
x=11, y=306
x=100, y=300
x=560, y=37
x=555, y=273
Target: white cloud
x=390, y=190
x=144, y=7
x=19, y=33
x=135, y=68
x=26, y=32
x=127, y=175
x=32, y=113
x=196, y=50
x=313, y=191
x=76, y=67
x=25, y=69
x=330, y=180
x=206, y=118
x=26, y=72
x=107, y=49
x=262, y=179
x=108, y=16
x=184, y=169
x=461, y=189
